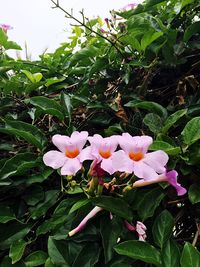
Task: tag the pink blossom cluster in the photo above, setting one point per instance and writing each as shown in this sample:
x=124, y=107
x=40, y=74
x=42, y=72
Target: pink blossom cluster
x=5, y=27
x=132, y=157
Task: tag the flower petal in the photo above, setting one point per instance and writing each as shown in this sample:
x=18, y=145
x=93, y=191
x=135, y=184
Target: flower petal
x=61, y=142
x=54, y=159
x=86, y=154
x=142, y=170
x=79, y=139
x=121, y=162
x=107, y=165
x=71, y=167
x=156, y=160
x=172, y=179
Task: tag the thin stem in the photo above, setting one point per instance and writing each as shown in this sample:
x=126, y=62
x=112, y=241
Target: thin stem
x=57, y=5
x=196, y=235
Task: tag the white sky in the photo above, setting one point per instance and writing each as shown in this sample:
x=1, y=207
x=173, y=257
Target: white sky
x=41, y=27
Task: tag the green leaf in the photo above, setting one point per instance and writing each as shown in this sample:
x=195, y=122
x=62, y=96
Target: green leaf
x=147, y=202
x=88, y=256
x=11, y=232
x=149, y=38
x=170, y=254
x=152, y=106
x=190, y=256
x=6, y=43
x=153, y=121
x=42, y=207
x=33, y=77
x=18, y=164
x=48, y=106
x=49, y=263
x=172, y=119
x=169, y=149
x=17, y=250
x=33, y=195
x=110, y=237
x=36, y=258
x=26, y=131
x=66, y=103
x=53, y=81
x=79, y=204
x=114, y=205
x=139, y=250
x=6, y=214
x=191, y=30
x=7, y=262
x=194, y=193
x=162, y=228
x=191, y=132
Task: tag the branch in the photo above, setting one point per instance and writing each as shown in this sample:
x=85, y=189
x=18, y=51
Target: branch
x=68, y=15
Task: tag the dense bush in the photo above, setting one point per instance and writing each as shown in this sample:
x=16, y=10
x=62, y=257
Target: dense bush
x=137, y=72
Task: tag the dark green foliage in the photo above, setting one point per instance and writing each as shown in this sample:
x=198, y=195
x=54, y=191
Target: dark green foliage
x=142, y=78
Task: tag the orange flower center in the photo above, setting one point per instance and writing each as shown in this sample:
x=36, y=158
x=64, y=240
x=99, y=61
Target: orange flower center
x=105, y=154
x=72, y=153
x=136, y=156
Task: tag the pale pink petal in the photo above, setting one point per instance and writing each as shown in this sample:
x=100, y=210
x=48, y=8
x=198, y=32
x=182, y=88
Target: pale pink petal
x=172, y=179
x=96, y=139
x=135, y=143
x=86, y=154
x=107, y=166
x=157, y=160
x=79, y=139
x=61, y=142
x=121, y=162
x=54, y=159
x=71, y=167
x=142, y=170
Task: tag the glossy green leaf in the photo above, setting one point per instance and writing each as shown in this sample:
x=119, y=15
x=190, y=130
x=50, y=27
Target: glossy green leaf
x=11, y=232
x=115, y=205
x=190, y=256
x=139, y=250
x=170, y=254
x=53, y=80
x=153, y=121
x=49, y=263
x=110, y=237
x=162, y=228
x=6, y=214
x=36, y=258
x=18, y=164
x=6, y=43
x=48, y=106
x=191, y=30
x=194, y=193
x=17, y=250
x=33, y=77
x=7, y=262
x=80, y=203
x=26, y=131
x=169, y=149
x=172, y=119
x=88, y=256
x=148, y=105
x=67, y=105
x=34, y=195
x=149, y=38
x=49, y=200
x=147, y=202
x=191, y=132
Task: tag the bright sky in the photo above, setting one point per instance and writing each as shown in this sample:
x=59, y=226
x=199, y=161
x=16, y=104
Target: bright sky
x=41, y=27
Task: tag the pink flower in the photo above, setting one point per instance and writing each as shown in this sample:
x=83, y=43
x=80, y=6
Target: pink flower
x=169, y=177
x=129, y=7
x=82, y=224
x=140, y=229
x=135, y=159
x=5, y=27
x=71, y=153
x=102, y=150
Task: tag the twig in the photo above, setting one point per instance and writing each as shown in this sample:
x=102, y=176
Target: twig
x=196, y=235
x=57, y=5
